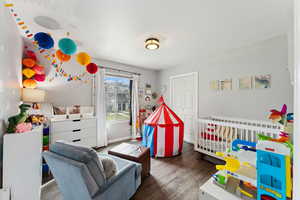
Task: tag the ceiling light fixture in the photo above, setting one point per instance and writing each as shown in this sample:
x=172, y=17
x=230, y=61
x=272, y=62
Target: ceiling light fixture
x=152, y=43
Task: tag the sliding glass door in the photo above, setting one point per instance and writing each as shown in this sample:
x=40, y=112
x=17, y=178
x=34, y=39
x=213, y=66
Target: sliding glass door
x=118, y=107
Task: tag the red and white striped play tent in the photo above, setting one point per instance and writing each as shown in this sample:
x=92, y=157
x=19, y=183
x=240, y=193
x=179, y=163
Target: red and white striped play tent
x=163, y=132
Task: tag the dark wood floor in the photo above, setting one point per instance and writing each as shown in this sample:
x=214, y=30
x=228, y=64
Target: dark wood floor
x=176, y=178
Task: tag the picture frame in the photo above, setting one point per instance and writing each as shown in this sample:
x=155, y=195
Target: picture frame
x=225, y=84
x=245, y=83
x=262, y=81
x=214, y=85
x=148, y=92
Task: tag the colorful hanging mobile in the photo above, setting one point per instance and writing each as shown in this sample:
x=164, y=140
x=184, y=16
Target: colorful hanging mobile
x=43, y=42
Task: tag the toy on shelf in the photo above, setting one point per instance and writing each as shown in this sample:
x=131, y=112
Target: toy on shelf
x=273, y=170
x=240, y=161
x=18, y=119
x=260, y=170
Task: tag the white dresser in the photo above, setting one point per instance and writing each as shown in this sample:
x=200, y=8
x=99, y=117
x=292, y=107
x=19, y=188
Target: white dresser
x=82, y=131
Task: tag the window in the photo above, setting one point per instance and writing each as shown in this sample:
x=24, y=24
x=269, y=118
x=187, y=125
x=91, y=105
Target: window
x=117, y=98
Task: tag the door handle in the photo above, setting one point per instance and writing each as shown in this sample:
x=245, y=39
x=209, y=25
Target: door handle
x=78, y=140
x=77, y=130
x=76, y=120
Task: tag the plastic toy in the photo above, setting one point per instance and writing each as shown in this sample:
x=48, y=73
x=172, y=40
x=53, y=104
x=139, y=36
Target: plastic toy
x=278, y=116
x=220, y=179
x=18, y=119
x=273, y=170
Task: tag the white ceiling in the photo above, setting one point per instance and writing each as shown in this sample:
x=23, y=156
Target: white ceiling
x=189, y=30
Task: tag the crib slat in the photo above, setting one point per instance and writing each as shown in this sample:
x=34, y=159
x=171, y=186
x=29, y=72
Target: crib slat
x=207, y=142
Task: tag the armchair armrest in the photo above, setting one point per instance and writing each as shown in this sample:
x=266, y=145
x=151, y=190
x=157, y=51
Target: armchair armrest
x=113, y=179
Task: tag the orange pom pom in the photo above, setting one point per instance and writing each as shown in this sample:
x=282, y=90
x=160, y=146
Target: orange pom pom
x=29, y=83
x=62, y=57
x=28, y=62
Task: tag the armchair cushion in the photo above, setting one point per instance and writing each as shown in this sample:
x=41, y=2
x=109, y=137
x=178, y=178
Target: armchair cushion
x=82, y=154
x=109, y=165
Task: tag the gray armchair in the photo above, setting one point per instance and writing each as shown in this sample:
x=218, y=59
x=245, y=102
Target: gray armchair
x=80, y=174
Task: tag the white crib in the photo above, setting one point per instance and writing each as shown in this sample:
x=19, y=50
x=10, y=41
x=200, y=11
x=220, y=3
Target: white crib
x=215, y=134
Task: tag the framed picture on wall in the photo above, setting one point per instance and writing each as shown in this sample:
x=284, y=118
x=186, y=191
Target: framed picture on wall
x=262, y=81
x=245, y=83
x=148, y=92
x=226, y=84
x=214, y=85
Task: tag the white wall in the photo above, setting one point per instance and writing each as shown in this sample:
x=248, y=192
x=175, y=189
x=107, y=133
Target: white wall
x=62, y=92
x=147, y=75
x=10, y=67
x=267, y=57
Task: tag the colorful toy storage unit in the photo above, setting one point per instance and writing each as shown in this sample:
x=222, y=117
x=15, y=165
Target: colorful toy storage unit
x=273, y=171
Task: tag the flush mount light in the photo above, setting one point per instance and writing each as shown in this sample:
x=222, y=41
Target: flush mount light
x=47, y=22
x=152, y=43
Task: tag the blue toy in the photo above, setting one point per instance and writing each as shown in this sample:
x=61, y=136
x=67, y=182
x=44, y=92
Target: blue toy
x=273, y=171
x=246, y=145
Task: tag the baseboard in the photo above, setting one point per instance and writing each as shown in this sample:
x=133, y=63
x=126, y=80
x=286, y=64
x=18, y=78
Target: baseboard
x=4, y=194
x=119, y=139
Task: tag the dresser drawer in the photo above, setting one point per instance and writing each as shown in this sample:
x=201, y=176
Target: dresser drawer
x=70, y=125
x=74, y=135
x=89, y=141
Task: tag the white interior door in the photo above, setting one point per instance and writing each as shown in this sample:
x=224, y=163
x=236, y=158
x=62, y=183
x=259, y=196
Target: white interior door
x=184, y=101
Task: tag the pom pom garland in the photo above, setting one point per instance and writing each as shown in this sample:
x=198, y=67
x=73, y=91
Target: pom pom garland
x=28, y=62
x=28, y=73
x=92, y=68
x=40, y=77
x=38, y=69
x=29, y=83
x=62, y=57
x=67, y=46
x=83, y=58
x=44, y=40
x=30, y=54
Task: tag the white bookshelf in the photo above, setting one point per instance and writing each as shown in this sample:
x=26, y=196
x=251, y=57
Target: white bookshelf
x=22, y=158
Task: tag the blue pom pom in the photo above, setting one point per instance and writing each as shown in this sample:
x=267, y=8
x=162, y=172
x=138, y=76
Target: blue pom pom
x=44, y=40
x=67, y=46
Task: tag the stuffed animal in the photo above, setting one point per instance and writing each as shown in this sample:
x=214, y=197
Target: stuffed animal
x=23, y=127
x=18, y=119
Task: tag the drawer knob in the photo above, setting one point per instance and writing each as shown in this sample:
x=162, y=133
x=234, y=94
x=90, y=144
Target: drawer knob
x=78, y=140
x=76, y=120
x=77, y=130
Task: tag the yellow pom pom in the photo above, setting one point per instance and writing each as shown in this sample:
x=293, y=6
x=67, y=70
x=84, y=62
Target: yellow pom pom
x=28, y=73
x=83, y=58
